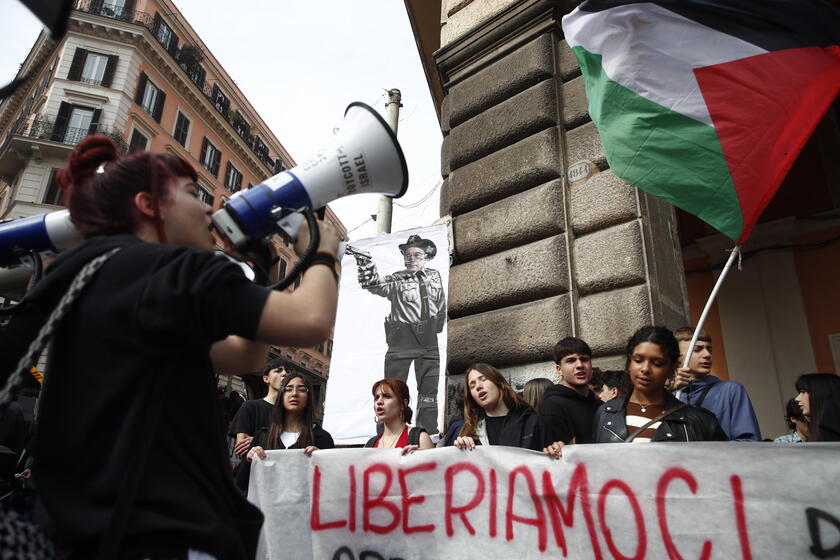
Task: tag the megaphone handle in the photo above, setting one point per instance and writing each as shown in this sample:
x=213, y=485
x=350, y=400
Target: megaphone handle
x=38, y=273
x=306, y=257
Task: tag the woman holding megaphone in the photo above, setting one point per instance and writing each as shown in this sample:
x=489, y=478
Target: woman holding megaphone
x=130, y=451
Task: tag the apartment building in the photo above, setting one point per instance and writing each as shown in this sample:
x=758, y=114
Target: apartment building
x=136, y=71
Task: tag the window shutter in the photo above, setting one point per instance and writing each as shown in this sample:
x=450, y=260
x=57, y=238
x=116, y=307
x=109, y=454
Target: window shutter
x=94, y=122
x=141, y=88
x=203, y=155
x=200, y=74
x=238, y=184
x=53, y=193
x=110, y=68
x=156, y=24
x=61, y=121
x=217, y=161
x=173, y=45
x=75, y=72
x=161, y=99
x=127, y=10
x=227, y=176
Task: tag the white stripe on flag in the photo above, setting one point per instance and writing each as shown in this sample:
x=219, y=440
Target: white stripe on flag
x=652, y=51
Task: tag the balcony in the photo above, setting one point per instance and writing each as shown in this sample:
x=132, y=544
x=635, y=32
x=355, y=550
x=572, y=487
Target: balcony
x=42, y=138
x=100, y=8
x=186, y=63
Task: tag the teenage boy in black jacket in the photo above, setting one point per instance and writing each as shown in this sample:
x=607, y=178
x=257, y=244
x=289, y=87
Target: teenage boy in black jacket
x=568, y=408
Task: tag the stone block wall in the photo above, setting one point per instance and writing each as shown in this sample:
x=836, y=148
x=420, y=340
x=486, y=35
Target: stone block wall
x=537, y=258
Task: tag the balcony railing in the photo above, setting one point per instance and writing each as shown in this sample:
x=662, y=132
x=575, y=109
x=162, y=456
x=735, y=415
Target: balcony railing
x=44, y=129
x=102, y=8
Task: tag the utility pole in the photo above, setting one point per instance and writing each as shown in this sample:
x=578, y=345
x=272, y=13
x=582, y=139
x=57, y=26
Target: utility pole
x=383, y=212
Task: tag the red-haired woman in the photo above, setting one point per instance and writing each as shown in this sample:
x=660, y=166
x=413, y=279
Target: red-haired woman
x=495, y=415
x=152, y=326
x=391, y=407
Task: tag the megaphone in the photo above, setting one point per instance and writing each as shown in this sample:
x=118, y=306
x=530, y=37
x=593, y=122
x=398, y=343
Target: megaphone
x=364, y=157
x=43, y=233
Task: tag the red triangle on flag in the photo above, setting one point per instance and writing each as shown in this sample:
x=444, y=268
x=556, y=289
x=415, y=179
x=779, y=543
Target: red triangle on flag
x=764, y=109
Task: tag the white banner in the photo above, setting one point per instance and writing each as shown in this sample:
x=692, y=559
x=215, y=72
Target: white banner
x=696, y=500
x=359, y=352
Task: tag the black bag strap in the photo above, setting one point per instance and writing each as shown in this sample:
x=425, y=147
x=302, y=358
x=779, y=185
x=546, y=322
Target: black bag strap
x=113, y=538
x=414, y=435
x=30, y=358
x=703, y=393
x=649, y=423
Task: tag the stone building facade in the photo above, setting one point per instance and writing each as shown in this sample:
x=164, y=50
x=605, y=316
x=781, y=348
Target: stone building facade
x=540, y=255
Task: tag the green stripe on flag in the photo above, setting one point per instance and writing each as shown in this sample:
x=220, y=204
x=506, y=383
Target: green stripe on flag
x=660, y=151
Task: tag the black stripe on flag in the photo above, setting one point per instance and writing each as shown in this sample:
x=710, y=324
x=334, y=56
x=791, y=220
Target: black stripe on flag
x=769, y=24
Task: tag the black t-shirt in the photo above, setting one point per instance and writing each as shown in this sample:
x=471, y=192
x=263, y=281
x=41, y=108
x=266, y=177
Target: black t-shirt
x=252, y=416
x=146, y=320
x=494, y=426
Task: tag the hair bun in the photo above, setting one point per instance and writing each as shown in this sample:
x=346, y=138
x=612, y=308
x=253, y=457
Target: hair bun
x=91, y=152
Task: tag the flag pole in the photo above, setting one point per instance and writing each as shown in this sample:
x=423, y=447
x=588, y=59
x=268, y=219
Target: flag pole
x=735, y=252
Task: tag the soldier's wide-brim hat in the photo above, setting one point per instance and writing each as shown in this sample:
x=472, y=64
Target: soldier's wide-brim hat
x=426, y=244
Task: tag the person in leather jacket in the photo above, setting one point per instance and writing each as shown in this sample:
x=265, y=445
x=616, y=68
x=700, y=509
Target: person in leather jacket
x=650, y=412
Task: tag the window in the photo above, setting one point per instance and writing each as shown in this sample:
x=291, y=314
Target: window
x=182, y=129
x=74, y=122
x=165, y=36
x=205, y=197
x=220, y=101
x=92, y=68
x=150, y=97
x=260, y=148
x=210, y=157
x=53, y=192
x=113, y=8
x=233, y=178
x=282, y=268
x=79, y=125
x=329, y=348
x=137, y=142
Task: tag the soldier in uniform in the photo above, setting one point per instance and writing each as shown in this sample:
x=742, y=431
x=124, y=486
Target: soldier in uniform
x=418, y=313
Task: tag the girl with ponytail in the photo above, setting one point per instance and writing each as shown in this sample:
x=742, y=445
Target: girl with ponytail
x=129, y=421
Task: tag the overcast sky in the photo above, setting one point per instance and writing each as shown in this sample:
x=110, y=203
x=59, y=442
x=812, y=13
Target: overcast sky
x=299, y=63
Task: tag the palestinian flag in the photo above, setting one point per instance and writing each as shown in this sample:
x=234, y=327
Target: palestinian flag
x=707, y=103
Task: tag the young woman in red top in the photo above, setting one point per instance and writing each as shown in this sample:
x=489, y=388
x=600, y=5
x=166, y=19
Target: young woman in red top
x=390, y=405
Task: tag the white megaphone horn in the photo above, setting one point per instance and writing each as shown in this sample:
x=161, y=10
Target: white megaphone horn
x=364, y=157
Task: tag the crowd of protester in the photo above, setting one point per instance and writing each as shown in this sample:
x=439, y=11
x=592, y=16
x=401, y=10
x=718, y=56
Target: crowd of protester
x=653, y=399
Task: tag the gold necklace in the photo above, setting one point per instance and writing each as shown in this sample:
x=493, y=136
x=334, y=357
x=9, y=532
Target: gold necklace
x=393, y=441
